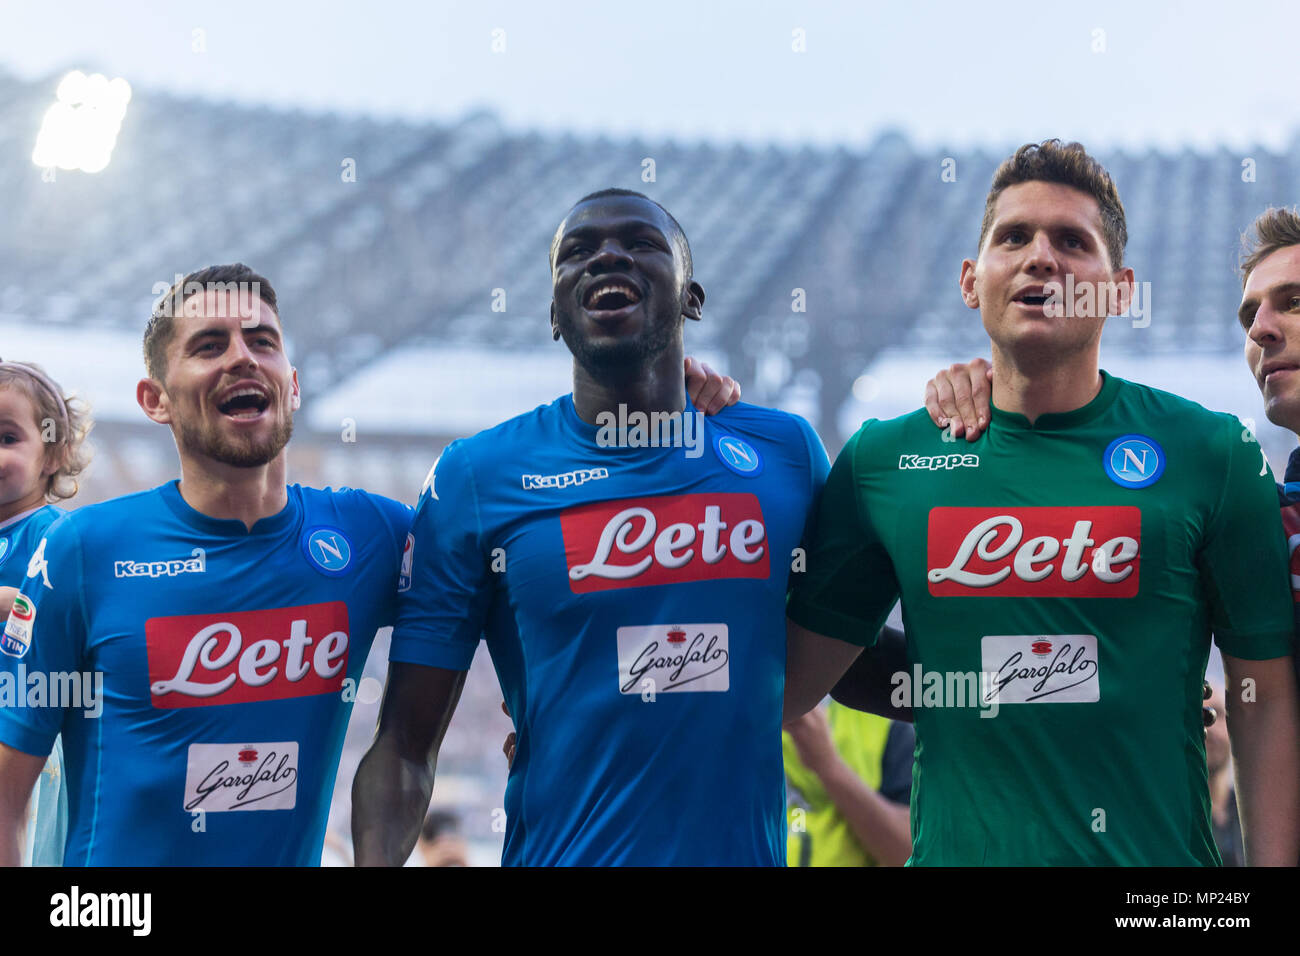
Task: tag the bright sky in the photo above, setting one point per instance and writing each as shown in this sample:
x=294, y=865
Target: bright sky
x=947, y=73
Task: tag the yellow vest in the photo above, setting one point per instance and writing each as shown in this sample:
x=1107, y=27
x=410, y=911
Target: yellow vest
x=817, y=835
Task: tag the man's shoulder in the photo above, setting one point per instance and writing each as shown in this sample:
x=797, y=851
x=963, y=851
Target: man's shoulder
x=503, y=439
x=344, y=498
x=912, y=432
x=105, y=519
x=1158, y=402
x=763, y=422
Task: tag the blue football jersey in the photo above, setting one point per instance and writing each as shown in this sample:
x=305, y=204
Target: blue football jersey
x=19, y=537
x=201, y=673
x=47, y=815
x=633, y=600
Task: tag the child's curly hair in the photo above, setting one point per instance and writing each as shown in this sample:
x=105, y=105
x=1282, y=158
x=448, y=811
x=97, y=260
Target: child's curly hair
x=63, y=420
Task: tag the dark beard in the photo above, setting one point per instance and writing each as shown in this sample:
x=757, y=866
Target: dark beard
x=239, y=454
x=617, y=358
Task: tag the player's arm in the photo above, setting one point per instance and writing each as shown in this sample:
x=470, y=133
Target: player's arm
x=839, y=602
x=394, y=781
x=813, y=664
x=7, y=596
x=709, y=391
x=868, y=684
x=18, y=774
x=440, y=612
x=1244, y=567
x=1264, y=730
x=882, y=827
x=961, y=395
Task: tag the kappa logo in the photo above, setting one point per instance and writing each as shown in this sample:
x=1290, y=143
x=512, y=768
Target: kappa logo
x=1134, y=461
x=196, y=563
x=569, y=478
x=37, y=565
x=4, y=549
x=937, y=462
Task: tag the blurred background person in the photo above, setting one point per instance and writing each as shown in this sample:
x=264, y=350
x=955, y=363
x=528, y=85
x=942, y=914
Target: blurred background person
x=441, y=842
x=1223, y=795
x=849, y=785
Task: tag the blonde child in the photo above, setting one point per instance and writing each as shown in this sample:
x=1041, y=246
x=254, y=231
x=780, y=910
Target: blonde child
x=41, y=453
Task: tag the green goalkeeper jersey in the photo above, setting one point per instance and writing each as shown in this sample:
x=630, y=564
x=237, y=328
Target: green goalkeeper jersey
x=1060, y=583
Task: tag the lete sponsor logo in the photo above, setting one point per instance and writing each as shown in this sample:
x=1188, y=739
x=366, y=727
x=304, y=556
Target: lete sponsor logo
x=685, y=657
x=669, y=539
x=221, y=777
x=199, y=660
x=1034, y=552
x=1041, y=668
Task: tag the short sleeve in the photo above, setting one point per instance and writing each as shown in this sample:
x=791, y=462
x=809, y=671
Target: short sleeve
x=45, y=635
x=397, y=519
x=848, y=586
x=1244, y=557
x=443, y=602
x=819, y=463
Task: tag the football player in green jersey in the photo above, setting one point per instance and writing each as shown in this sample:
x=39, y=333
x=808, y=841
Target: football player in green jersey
x=1061, y=574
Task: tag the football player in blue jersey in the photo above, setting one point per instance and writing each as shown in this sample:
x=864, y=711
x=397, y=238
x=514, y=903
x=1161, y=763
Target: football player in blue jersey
x=42, y=450
x=222, y=618
x=226, y=616
x=628, y=563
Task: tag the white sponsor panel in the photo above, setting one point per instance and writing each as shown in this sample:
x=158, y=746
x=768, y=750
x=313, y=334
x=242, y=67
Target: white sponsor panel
x=220, y=777
x=673, y=657
x=1041, y=668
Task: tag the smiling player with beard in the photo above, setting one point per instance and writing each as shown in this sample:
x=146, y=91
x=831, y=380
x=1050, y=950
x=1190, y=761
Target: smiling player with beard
x=632, y=597
x=224, y=613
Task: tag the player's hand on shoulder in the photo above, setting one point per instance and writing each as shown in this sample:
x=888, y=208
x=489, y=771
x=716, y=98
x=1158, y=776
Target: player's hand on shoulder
x=709, y=391
x=960, y=395
x=7, y=596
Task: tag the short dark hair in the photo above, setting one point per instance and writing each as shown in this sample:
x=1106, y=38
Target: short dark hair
x=617, y=191
x=158, y=332
x=1069, y=164
x=1274, y=229
x=439, y=823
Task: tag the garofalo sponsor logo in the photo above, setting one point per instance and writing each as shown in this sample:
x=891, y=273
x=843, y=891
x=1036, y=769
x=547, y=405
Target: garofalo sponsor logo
x=196, y=563
x=938, y=462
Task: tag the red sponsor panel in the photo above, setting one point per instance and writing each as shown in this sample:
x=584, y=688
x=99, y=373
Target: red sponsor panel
x=1076, y=552
x=198, y=660
x=637, y=542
